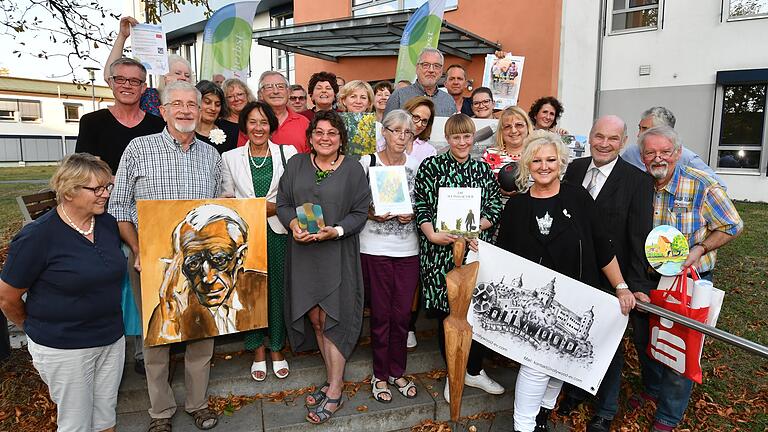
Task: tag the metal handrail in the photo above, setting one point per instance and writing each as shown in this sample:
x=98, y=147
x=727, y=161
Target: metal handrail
x=737, y=341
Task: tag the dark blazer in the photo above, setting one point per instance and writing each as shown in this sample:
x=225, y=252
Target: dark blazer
x=625, y=206
x=576, y=245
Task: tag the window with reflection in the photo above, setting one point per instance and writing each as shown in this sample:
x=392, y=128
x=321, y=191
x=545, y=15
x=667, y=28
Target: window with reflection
x=634, y=15
x=742, y=126
x=747, y=8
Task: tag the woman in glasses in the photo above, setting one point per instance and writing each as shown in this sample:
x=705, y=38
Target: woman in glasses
x=389, y=248
x=70, y=265
x=323, y=278
x=514, y=127
x=237, y=94
x=454, y=169
x=482, y=103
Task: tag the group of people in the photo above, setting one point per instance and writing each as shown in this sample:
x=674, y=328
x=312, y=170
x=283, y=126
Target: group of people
x=214, y=141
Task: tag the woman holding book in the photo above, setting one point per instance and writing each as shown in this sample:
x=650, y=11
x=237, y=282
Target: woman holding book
x=454, y=169
x=324, y=280
x=389, y=249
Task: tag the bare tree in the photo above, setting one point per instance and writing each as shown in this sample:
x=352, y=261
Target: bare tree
x=73, y=27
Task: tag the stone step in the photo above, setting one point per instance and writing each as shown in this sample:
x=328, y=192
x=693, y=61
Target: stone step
x=361, y=412
x=230, y=373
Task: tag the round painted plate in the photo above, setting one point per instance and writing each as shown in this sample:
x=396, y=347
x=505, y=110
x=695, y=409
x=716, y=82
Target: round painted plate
x=666, y=249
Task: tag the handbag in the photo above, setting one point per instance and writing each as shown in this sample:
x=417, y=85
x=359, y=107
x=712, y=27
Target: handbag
x=672, y=344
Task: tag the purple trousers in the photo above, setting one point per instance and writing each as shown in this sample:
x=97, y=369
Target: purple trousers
x=391, y=283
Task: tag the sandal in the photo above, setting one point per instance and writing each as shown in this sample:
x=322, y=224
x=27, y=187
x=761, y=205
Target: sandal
x=405, y=389
x=278, y=365
x=378, y=392
x=322, y=413
x=318, y=395
x=259, y=368
x=205, y=419
x=160, y=425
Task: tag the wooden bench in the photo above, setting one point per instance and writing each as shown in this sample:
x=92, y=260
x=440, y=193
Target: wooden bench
x=35, y=205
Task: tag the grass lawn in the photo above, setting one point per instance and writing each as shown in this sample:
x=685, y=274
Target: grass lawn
x=26, y=173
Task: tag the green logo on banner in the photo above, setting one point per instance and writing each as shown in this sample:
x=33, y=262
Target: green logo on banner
x=232, y=43
x=420, y=37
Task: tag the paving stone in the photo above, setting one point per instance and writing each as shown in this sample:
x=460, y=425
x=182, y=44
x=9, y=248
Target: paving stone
x=247, y=419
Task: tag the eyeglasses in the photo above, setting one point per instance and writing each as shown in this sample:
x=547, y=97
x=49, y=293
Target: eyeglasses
x=419, y=121
x=331, y=134
x=433, y=66
x=400, y=133
x=649, y=155
x=481, y=102
x=234, y=96
x=99, y=190
x=278, y=86
x=297, y=98
x=179, y=105
x=135, y=82
x=516, y=125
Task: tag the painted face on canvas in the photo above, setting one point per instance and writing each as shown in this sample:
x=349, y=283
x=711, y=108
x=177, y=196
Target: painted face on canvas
x=212, y=259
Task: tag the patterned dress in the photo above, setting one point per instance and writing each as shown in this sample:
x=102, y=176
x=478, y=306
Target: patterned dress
x=262, y=177
x=445, y=171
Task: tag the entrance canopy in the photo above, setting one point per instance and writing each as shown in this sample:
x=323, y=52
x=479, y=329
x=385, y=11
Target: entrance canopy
x=365, y=36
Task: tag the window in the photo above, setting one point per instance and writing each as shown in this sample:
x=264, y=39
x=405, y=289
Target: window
x=742, y=126
x=738, y=9
x=8, y=109
x=369, y=7
x=29, y=111
x=634, y=15
x=72, y=112
x=283, y=61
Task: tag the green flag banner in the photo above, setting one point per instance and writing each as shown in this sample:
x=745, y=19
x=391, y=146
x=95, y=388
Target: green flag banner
x=227, y=41
x=422, y=31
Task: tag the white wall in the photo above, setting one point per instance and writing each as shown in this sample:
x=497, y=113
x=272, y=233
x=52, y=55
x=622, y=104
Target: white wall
x=52, y=122
x=690, y=48
x=578, y=64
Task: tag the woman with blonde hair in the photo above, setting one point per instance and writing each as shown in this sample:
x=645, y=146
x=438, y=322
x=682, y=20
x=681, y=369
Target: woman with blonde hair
x=555, y=224
x=70, y=265
x=513, y=128
x=356, y=96
x=455, y=168
x=238, y=95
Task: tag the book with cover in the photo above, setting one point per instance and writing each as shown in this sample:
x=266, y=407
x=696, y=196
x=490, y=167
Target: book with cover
x=458, y=211
x=310, y=217
x=389, y=187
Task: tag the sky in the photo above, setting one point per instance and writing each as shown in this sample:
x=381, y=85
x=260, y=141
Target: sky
x=28, y=66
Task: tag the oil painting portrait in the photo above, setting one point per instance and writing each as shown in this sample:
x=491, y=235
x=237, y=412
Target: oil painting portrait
x=204, y=268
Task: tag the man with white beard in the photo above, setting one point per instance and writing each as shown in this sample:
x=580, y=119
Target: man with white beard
x=695, y=204
x=172, y=165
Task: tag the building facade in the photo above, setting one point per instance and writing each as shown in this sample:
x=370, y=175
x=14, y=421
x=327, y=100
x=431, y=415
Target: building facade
x=39, y=120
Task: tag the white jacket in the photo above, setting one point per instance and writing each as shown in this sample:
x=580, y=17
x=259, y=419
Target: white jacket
x=236, y=176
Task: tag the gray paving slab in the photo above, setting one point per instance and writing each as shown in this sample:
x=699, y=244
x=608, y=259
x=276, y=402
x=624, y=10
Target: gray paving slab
x=359, y=413
x=247, y=419
x=474, y=400
x=504, y=422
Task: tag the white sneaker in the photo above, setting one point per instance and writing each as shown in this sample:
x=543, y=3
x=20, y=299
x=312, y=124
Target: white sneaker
x=447, y=391
x=411, y=342
x=483, y=381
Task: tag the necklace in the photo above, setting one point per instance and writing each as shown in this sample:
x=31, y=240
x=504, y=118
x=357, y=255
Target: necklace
x=250, y=158
x=77, y=228
x=321, y=174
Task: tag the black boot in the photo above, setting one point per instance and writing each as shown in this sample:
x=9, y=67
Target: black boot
x=541, y=420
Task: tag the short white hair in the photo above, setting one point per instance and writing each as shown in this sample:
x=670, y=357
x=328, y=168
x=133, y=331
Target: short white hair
x=165, y=95
x=207, y=214
x=430, y=50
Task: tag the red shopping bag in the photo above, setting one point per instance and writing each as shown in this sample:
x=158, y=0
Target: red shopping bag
x=672, y=344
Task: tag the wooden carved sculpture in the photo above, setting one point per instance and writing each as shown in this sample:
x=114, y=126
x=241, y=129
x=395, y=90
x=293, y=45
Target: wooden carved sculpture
x=458, y=333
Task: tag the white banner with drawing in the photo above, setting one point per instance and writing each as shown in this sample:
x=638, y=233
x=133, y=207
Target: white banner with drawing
x=543, y=319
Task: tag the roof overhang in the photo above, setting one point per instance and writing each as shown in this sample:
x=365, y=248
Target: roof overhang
x=367, y=36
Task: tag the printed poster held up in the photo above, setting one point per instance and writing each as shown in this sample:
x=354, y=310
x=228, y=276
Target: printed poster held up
x=503, y=74
x=204, y=268
x=543, y=319
x=458, y=211
x=389, y=188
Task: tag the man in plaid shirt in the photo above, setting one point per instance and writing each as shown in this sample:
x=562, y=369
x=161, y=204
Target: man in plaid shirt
x=170, y=165
x=695, y=204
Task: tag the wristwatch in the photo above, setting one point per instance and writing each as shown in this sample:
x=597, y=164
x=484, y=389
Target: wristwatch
x=703, y=246
x=622, y=286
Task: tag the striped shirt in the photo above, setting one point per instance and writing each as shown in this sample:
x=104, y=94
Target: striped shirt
x=697, y=205
x=154, y=167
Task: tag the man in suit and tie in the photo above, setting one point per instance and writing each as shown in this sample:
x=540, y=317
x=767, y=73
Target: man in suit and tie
x=624, y=197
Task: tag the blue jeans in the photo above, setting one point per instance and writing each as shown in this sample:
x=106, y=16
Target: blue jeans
x=608, y=393
x=671, y=390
